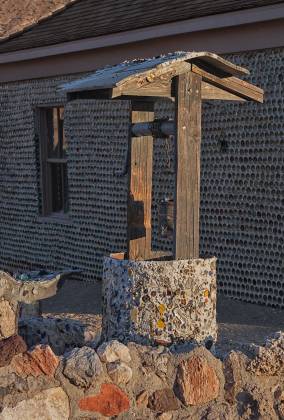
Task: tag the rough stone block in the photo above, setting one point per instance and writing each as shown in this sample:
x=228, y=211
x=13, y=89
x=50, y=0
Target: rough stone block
x=197, y=382
x=8, y=318
x=159, y=301
x=82, y=366
x=163, y=400
x=112, y=351
x=40, y=361
x=119, y=372
x=111, y=401
x=10, y=347
x=46, y=405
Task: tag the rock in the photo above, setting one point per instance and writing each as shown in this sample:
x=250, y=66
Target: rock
x=92, y=338
x=119, y=372
x=196, y=381
x=10, y=347
x=142, y=399
x=163, y=400
x=61, y=335
x=279, y=402
x=270, y=358
x=111, y=401
x=112, y=351
x=255, y=403
x=219, y=412
x=234, y=365
x=49, y=404
x=82, y=366
x=40, y=361
x=165, y=416
x=8, y=318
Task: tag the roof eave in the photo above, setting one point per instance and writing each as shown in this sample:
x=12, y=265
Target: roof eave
x=224, y=20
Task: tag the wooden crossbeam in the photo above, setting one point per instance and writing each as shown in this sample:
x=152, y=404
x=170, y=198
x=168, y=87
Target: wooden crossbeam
x=232, y=85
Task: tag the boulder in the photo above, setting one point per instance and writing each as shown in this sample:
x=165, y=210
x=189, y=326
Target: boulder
x=112, y=351
x=119, y=372
x=46, y=405
x=10, y=347
x=82, y=366
x=270, y=358
x=40, y=361
x=8, y=318
x=165, y=416
x=234, y=366
x=163, y=400
x=111, y=401
x=142, y=399
x=196, y=382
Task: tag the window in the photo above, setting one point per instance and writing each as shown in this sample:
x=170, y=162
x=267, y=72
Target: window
x=53, y=157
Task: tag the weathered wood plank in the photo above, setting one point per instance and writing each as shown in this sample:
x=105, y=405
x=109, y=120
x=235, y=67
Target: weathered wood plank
x=140, y=187
x=231, y=84
x=187, y=154
x=210, y=92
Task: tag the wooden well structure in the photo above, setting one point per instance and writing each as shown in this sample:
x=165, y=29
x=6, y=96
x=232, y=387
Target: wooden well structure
x=187, y=79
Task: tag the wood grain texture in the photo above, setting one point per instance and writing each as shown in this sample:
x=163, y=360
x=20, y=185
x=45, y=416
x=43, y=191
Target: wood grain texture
x=187, y=155
x=231, y=84
x=140, y=187
x=90, y=18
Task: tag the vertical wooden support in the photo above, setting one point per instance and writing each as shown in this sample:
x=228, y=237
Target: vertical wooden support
x=140, y=187
x=187, y=155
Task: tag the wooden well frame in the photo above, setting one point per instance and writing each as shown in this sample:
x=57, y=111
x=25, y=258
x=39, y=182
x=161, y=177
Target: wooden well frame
x=187, y=79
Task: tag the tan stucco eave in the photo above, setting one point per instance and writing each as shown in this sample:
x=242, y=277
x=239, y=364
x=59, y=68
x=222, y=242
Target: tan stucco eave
x=224, y=20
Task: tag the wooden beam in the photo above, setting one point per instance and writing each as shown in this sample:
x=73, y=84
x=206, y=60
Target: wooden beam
x=140, y=187
x=233, y=85
x=211, y=93
x=187, y=155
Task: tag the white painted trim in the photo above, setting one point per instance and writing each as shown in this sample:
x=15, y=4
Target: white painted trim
x=224, y=20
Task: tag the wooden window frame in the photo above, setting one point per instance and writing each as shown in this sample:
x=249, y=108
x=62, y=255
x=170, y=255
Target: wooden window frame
x=45, y=167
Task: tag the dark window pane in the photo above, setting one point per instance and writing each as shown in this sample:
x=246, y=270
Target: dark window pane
x=65, y=188
x=57, y=187
x=54, y=165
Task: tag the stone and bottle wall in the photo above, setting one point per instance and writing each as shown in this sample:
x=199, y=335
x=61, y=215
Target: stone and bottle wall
x=242, y=183
x=112, y=380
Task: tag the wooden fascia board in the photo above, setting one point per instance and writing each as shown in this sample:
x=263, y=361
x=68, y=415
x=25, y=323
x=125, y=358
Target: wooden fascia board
x=208, y=92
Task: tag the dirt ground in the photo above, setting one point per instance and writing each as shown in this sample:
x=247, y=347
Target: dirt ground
x=240, y=324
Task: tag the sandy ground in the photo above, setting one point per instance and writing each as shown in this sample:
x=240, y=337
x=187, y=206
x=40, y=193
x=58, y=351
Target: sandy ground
x=240, y=324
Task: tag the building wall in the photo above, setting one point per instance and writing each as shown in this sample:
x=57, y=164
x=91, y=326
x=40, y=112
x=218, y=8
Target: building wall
x=98, y=142
x=242, y=209
x=242, y=183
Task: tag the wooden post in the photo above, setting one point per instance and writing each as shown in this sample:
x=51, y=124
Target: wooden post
x=140, y=186
x=187, y=155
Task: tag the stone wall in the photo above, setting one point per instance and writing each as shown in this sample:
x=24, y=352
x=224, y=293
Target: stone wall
x=135, y=381
x=242, y=183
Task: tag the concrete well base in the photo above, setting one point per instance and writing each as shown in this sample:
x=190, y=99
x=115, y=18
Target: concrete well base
x=162, y=302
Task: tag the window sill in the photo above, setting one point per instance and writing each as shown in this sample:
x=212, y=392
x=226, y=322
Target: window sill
x=57, y=218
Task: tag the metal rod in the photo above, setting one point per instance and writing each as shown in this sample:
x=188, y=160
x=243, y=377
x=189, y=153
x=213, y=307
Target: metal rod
x=157, y=128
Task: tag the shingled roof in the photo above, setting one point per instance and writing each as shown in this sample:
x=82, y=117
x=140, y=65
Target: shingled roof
x=113, y=76
x=15, y=16
x=90, y=18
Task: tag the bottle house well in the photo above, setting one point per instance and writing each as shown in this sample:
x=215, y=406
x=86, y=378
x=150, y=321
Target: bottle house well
x=160, y=302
